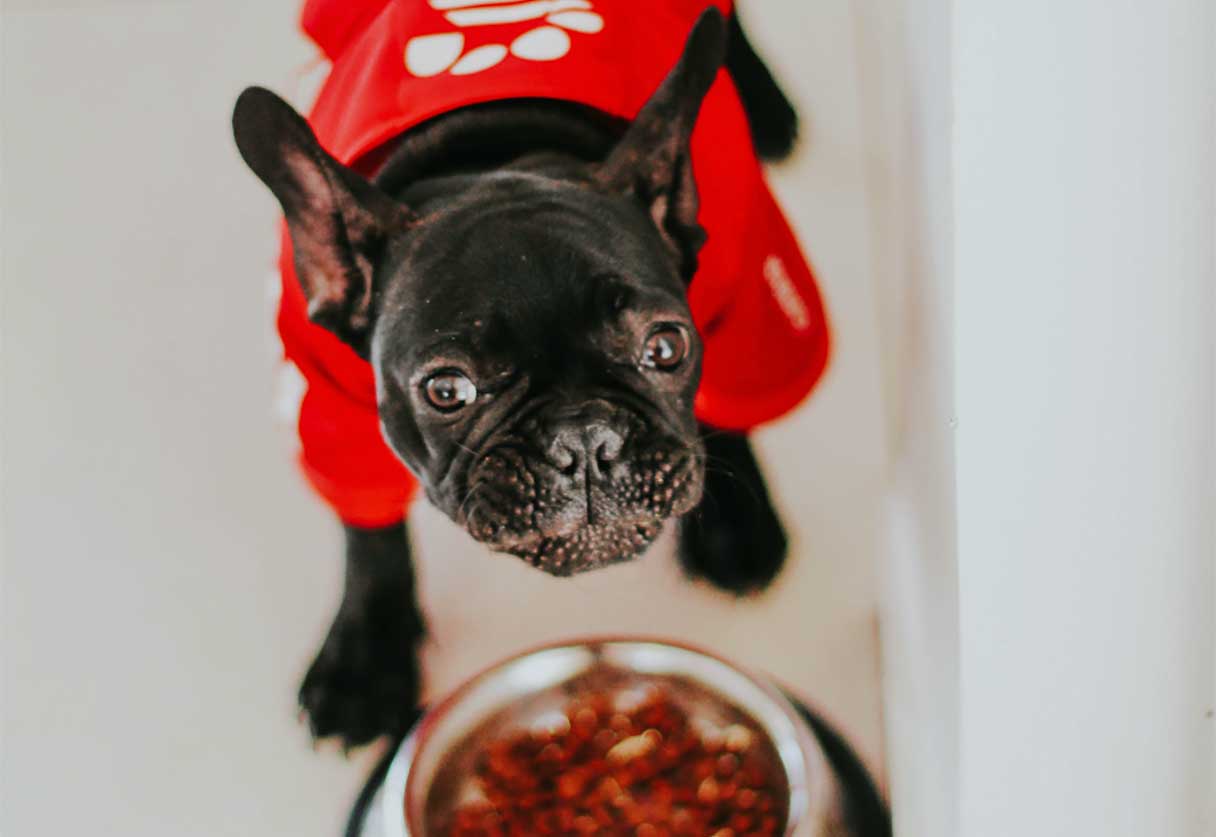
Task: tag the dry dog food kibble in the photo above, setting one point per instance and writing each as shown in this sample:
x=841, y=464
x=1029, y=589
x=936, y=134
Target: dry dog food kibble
x=603, y=768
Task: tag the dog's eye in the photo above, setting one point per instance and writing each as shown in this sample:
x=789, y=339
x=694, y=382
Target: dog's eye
x=449, y=390
x=665, y=348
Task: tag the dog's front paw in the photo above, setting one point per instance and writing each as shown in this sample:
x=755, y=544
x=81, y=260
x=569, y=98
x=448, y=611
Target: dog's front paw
x=740, y=553
x=365, y=682
x=734, y=537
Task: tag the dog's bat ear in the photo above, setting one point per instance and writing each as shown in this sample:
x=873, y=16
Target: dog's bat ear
x=651, y=161
x=338, y=221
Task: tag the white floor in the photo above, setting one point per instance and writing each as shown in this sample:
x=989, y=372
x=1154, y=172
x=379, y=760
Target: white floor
x=166, y=576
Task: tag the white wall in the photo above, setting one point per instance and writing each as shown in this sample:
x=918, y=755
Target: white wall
x=1084, y=321
x=164, y=574
x=904, y=51
x=1046, y=213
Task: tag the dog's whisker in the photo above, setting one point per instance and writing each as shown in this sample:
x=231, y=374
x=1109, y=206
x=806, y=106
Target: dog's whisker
x=470, y=495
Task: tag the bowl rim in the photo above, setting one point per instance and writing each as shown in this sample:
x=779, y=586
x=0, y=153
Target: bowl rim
x=813, y=800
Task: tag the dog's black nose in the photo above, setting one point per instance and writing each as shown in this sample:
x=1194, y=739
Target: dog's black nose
x=591, y=447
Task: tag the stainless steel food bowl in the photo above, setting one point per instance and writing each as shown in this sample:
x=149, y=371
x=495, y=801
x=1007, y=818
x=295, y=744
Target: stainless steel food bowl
x=516, y=692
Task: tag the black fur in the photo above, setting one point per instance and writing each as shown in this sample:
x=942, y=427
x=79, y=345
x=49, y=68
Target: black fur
x=365, y=681
x=734, y=537
x=572, y=431
x=773, y=120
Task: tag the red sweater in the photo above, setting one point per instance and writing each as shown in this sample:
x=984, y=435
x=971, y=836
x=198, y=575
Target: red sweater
x=396, y=63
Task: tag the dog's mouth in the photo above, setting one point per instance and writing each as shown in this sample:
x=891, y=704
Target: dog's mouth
x=587, y=548
x=515, y=505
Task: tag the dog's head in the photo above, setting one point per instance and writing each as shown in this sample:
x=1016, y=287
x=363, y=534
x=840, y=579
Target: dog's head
x=534, y=354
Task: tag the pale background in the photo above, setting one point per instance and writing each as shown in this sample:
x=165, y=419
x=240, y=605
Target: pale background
x=167, y=576
x=1085, y=364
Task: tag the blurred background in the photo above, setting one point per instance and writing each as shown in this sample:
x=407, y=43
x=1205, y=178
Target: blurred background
x=168, y=576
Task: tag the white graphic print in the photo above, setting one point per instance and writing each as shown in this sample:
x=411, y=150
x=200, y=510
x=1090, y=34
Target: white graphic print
x=514, y=13
x=785, y=293
x=431, y=55
x=482, y=58
x=545, y=43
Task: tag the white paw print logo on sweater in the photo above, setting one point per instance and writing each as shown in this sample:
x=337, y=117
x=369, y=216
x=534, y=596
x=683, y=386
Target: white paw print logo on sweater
x=430, y=55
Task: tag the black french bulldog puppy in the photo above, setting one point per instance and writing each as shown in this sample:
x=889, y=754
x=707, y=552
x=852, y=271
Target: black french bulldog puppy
x=549, y=409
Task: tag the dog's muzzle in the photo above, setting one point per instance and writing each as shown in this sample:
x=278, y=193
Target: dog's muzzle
x=582, y=491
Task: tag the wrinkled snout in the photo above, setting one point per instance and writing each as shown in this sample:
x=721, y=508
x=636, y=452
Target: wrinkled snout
x=579, y=487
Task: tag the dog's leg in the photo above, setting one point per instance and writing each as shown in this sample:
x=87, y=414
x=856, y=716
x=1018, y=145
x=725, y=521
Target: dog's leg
x=734, y=537
x=772, y=118
x=365, y=681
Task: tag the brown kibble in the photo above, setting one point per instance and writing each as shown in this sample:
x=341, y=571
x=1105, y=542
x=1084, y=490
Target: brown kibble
x=608, y=788
x=570, y=785
x=738, y=738
x=550, y=754
x=620, y=723
x=643, y=768
x=635, y=746
x=585, y=720
x=683, y=822
x=604, y=739
x=712, y=740
x=727, y=765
